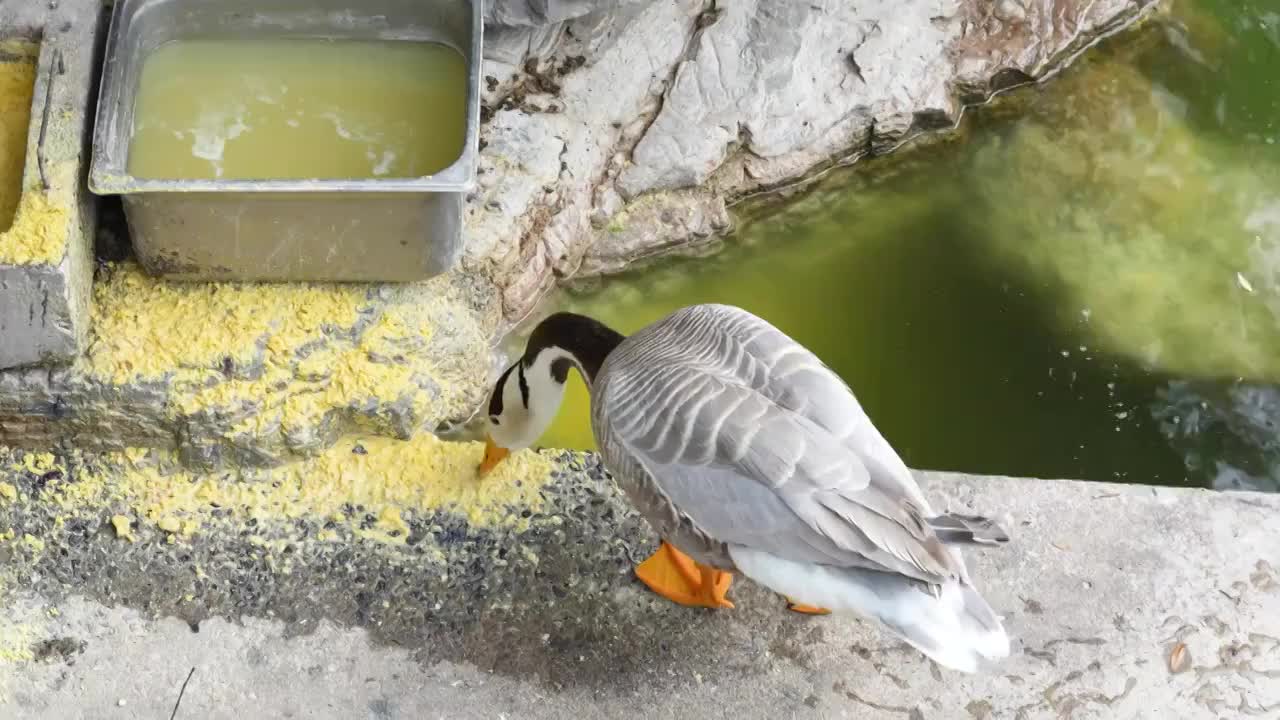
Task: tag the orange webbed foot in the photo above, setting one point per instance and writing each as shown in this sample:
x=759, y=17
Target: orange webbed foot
x=794, y=606
x=676, y=577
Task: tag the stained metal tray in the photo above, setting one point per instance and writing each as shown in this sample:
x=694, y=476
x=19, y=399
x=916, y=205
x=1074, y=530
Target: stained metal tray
x=319, y=230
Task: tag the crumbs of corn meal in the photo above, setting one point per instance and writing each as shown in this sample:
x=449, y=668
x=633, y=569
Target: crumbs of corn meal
x=37, y=463
x=123, y=527
x=38, y=235
x=15, y=641
x=313, y=349
x=143, y=329
x=33, y=225
x=392, y=480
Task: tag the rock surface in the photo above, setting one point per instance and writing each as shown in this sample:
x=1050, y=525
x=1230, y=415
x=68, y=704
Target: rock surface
x=628, y=129
x=1099, y=587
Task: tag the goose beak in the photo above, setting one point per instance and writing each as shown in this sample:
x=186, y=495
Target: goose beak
x=493, y=454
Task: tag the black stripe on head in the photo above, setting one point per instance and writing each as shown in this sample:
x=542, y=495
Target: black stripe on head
x=495, y=400
x=588, y=340
x=524, y=386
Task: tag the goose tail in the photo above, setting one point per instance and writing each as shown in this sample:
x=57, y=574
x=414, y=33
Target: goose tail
x=957, y=529
x=953, y=625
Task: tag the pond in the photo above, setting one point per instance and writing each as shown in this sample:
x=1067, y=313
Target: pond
x=1084, y=283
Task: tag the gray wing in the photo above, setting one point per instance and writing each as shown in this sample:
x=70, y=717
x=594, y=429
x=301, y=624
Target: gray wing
x=770, y=362
x=759, y=444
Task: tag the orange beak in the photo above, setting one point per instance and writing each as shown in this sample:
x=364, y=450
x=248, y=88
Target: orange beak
x=492, y=456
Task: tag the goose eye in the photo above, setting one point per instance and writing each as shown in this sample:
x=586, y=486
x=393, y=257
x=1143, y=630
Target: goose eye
x=494, y=419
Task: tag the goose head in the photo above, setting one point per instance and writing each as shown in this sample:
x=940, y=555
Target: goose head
x=527, y=396
x=522, y=405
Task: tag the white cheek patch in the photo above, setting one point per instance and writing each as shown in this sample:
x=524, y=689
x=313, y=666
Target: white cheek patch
x=531, y=409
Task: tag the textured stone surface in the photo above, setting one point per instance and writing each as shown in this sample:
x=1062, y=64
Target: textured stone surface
x=1099, y=585
x=680, y=107
x=531, y=13
x=45, y=285
x=235, y=375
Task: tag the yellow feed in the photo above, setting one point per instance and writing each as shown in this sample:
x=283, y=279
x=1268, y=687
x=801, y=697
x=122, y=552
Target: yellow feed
x=391, y=480
x=313, y=349
x=17, y=81
x=33, y=226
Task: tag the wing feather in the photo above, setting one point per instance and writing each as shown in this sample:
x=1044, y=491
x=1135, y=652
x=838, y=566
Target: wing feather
x=760, y=445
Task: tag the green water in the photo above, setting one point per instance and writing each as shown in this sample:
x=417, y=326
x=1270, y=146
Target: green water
x=1085, y=284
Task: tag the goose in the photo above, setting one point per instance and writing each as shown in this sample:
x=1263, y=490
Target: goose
x=748, y=455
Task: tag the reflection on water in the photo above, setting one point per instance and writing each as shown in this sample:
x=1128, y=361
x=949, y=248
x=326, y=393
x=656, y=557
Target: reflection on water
x=1087, y=286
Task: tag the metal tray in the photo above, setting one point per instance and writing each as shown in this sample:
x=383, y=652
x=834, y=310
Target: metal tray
x=318, y=230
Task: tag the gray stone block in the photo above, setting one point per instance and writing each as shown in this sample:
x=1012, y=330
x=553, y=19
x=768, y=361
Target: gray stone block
x=46, y=258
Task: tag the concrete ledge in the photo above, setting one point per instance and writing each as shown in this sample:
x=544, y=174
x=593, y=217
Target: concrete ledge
x=258, y=374
x=538, y=615
x=46, y=258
